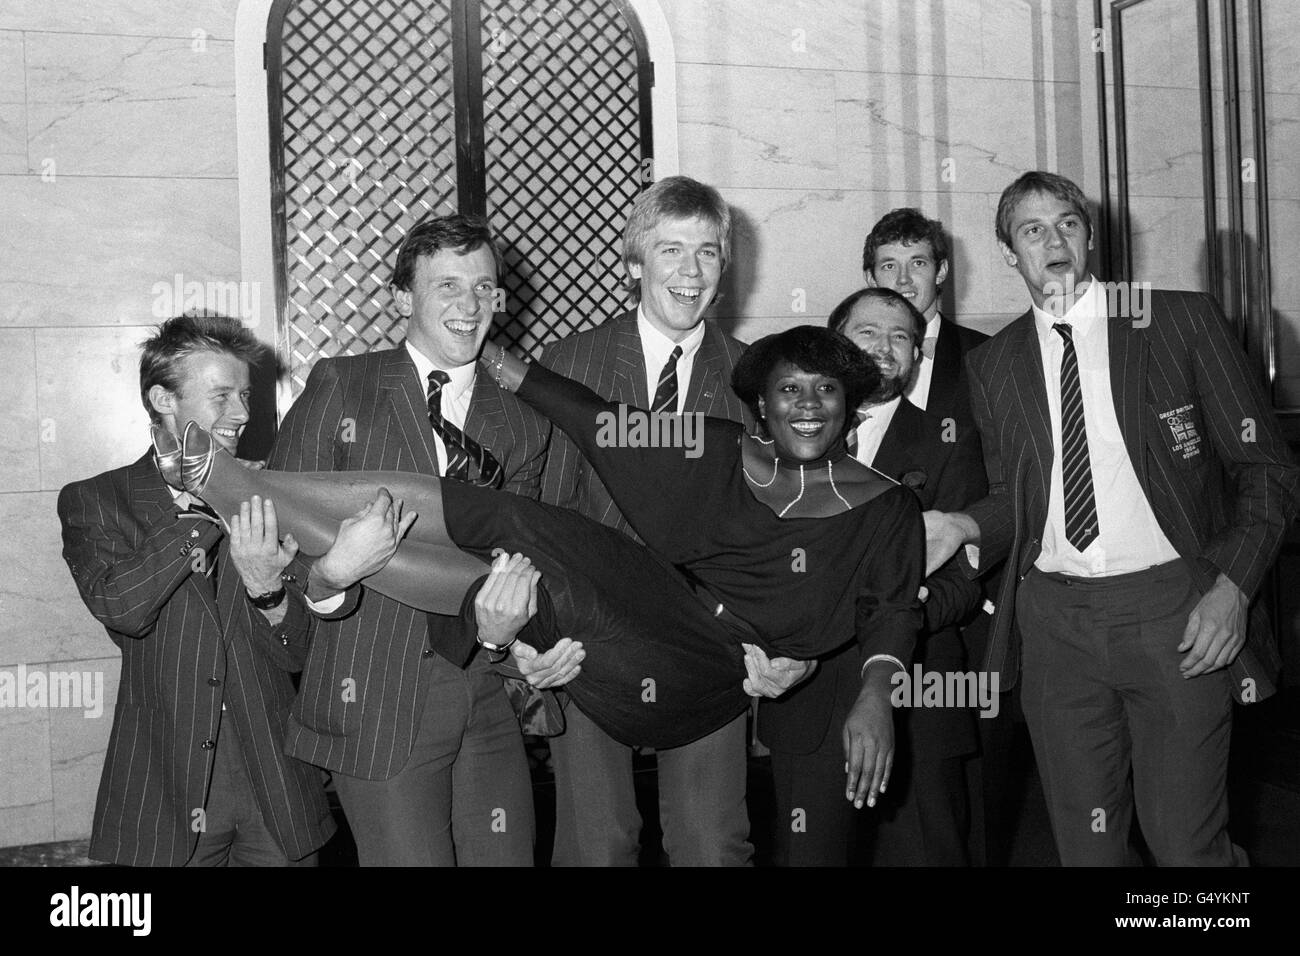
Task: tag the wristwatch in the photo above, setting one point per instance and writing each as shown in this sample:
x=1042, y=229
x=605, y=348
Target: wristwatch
x=267, y=601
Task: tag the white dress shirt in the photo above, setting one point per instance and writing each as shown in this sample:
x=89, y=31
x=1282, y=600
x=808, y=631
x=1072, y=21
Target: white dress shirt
x=1129, y=537
x=657, y=347
x=872, y=430
x=918, y=393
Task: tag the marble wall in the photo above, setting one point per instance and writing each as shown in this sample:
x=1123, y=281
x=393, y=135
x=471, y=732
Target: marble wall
x=1281, y=30
x=815, y=119
x=117, y=172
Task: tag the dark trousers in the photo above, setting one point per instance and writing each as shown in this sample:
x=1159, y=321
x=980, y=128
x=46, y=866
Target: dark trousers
x=233, y=831
x=701, y=798
x=989, y=774
x=922, y=819
x=1102, y=696
x=464, y=797
x=815, y=823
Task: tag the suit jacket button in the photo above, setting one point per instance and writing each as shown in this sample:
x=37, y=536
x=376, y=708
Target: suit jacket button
x=209, y=745
x=429, y=652
x=214, y=682
x=291, y=578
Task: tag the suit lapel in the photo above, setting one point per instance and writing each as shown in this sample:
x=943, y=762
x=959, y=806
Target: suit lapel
x=486, y=415
x=629, y=364
x=229, y=586
x=706, y=372
x=151, y=499
x=1128, y=353
x=947, y=364
x=893, y=455
x=1030, y=390
x=400, y=384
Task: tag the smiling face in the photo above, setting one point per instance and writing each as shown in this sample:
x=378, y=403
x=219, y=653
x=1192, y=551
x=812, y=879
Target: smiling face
x=213, y=391
x=679, y=277
x=450, y=305
x=888, y=334
x=910, y=270
x=1049, y=248
x=803, y=411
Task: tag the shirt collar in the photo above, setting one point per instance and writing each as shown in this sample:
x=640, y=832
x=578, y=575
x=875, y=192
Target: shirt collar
x=1081, y=317
x=933, y=327
x=460, y=378
x=656, y=345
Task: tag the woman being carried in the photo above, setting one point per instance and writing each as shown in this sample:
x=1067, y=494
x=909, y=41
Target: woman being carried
x=783, y=541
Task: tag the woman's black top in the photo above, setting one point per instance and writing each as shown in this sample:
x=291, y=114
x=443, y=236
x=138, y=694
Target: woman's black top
x=663, y=665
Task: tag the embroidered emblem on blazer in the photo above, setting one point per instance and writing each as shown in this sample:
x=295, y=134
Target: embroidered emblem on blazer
x=1182, y=427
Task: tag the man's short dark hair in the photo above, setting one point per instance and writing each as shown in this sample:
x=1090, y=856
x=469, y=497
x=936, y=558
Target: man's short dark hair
x=459, y=233
x=812, y=349
x=163, y=352
x=840, y=314
x=674, y=197
x=908, y=226
x=1038, y=182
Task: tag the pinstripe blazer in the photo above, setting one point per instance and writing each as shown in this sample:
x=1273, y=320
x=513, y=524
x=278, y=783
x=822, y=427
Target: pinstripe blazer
x=610, y=361
x=183, y=655
x=1224, y=507
x=363, y=688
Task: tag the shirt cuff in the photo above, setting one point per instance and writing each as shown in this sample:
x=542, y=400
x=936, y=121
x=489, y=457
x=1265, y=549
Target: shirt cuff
x=880, y=657
x=973, y=555
x=327, y=606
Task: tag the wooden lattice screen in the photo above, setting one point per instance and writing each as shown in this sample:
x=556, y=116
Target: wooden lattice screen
x=534, y=113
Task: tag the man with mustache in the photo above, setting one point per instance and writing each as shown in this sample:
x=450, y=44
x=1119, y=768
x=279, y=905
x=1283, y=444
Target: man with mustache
x=910, y=253
x=1139, y=489
x=925, y=815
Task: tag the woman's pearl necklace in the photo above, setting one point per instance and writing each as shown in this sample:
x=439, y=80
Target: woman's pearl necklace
x=776, y=470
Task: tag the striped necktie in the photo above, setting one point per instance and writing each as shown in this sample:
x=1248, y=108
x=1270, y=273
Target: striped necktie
x=461, y=449
x=666, y=390
x=1076, y=468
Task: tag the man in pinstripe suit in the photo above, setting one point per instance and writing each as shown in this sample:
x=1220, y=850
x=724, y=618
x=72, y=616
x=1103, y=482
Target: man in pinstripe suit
x=663, y=356
x=1139, y=488
x=425, y=751
x=194, y=773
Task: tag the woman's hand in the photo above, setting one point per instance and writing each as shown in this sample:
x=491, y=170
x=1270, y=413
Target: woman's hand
x=869, y=739
x=502, y=367
x=772, y=678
